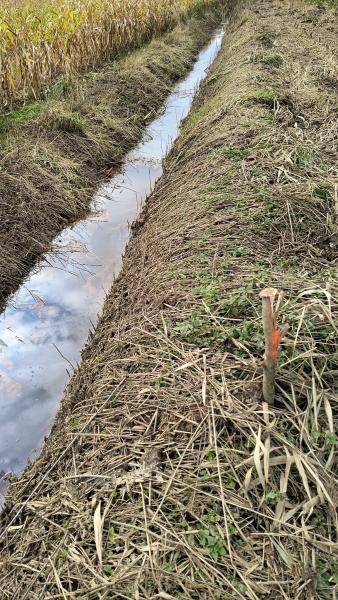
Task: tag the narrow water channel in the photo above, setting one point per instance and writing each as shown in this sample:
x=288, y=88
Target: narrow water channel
x=45, y=326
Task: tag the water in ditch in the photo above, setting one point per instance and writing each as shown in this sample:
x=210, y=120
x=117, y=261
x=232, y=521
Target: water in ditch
x=47, y=323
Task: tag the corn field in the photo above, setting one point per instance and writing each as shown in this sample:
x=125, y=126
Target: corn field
x=43, y=41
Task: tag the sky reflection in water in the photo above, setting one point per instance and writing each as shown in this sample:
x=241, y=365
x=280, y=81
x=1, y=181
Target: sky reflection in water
x=46, y=325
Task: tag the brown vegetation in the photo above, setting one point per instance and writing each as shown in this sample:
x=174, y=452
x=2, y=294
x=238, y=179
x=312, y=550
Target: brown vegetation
x=166, y=475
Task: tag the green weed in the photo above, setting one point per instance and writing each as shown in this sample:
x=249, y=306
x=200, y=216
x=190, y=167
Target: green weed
x=199, y=330
x=328, y=574
x=108, y=569
x=303, y=157
x=212, y=517
x=261, y=192
x=272, y=497
x=214, y=187
x=270, y=209
x=184, y=524
x=231, y=483
x=19, y=116
x=262, y=96
x=59, y=89
x=212, y=543
x=159, y=382
x=291, y=438
x=266, y=37
x=216, y=200
x=197, y=116
x=240, y=202
x=238, y=585
x=327, y=439
x=236, y=305
x=240, y=251
x=249, y=332
x=62, y=555
x=231, y=152
x=198, y=8
x=72, y=122
x=324, y=193
x=330, y=440
x=275, y=60
x=209, y=292
x=203, y=238
x=315, y=436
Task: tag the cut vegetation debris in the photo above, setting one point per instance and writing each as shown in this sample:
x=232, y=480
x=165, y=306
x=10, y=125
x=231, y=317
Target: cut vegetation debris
x=55, y=153
x=166, y=476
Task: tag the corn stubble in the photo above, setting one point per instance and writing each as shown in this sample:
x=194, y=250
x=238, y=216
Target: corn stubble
x=40, y=42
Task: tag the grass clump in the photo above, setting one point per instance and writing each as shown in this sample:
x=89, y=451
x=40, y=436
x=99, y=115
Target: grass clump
x=303, y=157
x=236, y=153
x=266, y=37
x=275, y=60
x=262, y=96
x=199, y=115
x=60, y=89
x=19, y=116
x=72, y=122
x=324, y=193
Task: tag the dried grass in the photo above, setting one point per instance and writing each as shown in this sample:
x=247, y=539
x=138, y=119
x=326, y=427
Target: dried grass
x=175, y=472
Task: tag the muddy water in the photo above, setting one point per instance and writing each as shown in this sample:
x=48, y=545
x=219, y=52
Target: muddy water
x=46, y=325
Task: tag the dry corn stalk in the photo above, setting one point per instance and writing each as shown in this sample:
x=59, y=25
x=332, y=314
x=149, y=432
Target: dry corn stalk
x=272, y=342
x=43, y=41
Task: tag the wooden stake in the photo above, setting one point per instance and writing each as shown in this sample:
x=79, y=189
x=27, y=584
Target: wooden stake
x=272, y=341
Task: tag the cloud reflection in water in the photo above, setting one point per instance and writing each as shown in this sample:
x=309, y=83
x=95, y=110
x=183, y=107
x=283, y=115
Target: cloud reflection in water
x=52, y=313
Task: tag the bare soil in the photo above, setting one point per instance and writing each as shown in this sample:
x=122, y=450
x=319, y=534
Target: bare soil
x=166, y=476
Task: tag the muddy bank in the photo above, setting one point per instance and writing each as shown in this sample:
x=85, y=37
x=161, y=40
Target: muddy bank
x=54, y=154
x=165, y=475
